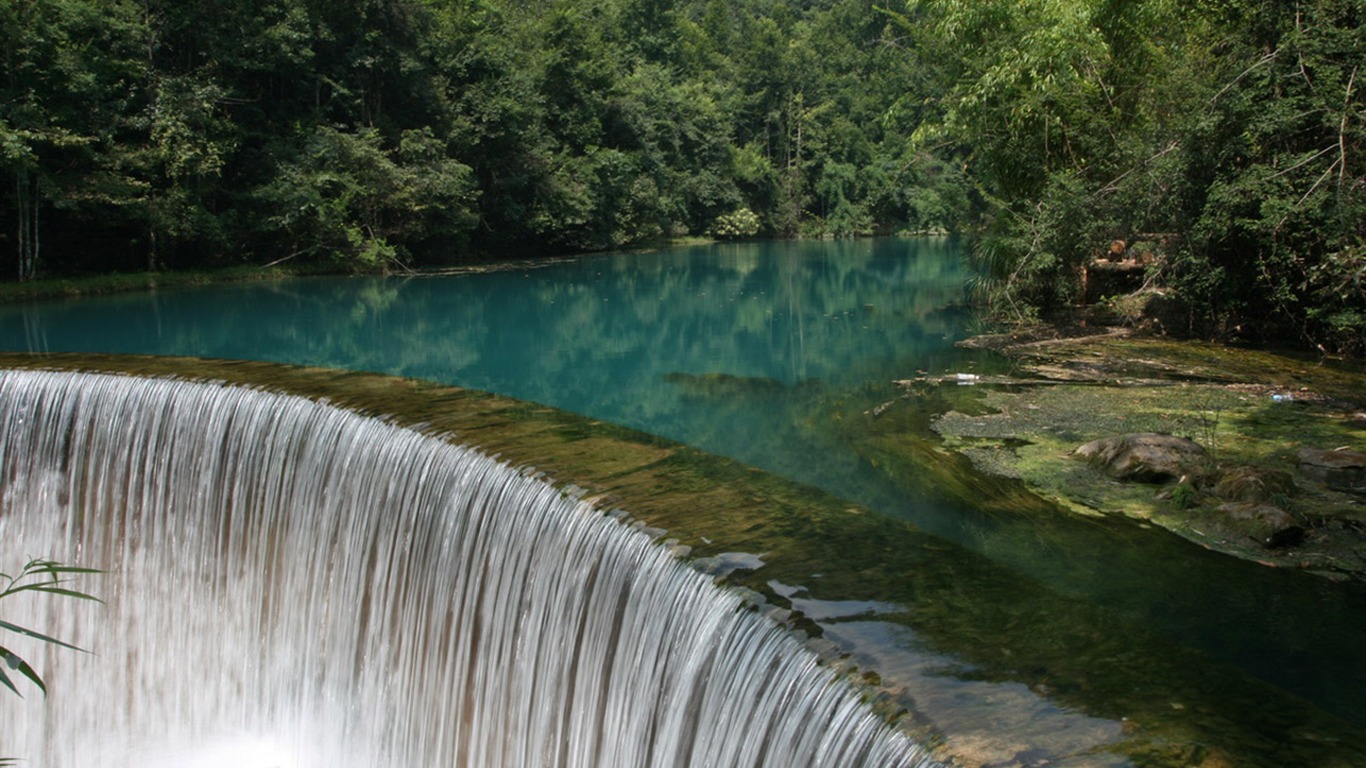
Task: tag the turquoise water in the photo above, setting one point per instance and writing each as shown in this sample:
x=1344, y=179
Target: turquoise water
x=727, y=347
x=753, y=351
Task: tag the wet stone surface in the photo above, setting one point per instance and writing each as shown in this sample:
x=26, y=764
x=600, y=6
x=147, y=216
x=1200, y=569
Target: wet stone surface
x=1235, y=425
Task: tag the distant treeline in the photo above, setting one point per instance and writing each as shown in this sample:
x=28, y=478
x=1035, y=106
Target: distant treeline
x=1223, y=137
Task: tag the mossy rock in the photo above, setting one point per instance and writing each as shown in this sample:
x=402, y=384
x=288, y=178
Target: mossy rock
x=1252, y=483
x=1263, y=523
x=1341, y=470
x=1147, y=457
x=1225, y=400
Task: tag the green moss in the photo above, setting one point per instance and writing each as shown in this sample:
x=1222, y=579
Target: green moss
x=1183, y=496
x=1245, y=407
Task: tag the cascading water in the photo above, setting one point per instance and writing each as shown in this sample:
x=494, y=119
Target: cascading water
x=293, y=585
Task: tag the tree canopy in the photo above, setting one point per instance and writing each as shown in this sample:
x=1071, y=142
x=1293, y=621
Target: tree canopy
x=1227, y=133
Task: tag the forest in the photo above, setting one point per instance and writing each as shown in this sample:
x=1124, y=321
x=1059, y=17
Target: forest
x=1216, y=143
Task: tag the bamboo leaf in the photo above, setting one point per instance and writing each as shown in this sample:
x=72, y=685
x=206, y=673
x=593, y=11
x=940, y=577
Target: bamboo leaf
x=18, y=630
x=50, y=589
x=15, y=662
x=4, y=679
x=51, y=566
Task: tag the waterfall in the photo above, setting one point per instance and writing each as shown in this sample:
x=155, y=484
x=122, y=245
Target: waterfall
x=289, y=584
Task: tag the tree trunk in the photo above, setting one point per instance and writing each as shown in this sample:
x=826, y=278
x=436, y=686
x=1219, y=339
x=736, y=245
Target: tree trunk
x=28, y=202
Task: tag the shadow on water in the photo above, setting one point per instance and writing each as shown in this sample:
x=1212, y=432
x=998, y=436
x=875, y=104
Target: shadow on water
x=1003, y=622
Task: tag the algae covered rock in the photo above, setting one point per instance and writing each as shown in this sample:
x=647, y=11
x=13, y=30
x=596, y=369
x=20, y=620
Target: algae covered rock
x=724, y=385
x=1342, y=470
x=1147, y=457
x=1266, y=523
x=1249, y=483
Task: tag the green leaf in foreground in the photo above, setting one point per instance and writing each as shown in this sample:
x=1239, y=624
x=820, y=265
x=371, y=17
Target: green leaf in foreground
x=43, y=576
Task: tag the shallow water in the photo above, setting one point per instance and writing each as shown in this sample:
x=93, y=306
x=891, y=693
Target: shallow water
x=765, y=352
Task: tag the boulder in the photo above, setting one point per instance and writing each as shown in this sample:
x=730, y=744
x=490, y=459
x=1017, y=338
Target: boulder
x=1254, y=484
x=1343, y=470
x=1266, y=523
x=724, y=385
x=1147, y=457
x=1258, y=512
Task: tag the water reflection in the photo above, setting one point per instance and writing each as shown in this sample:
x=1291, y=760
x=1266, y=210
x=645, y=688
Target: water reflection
x=733, y=348
x=785, y=312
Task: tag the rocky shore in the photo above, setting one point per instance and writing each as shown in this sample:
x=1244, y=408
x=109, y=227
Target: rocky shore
x=1247, y=452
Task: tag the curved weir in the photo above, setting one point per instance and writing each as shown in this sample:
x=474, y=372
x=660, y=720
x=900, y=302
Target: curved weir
x=291, y=584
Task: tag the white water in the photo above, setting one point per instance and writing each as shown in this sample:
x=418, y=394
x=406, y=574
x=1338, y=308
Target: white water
x=291, y=585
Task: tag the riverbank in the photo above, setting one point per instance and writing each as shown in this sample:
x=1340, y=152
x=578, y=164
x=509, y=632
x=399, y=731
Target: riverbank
x=1277, y=442
x=130, y=282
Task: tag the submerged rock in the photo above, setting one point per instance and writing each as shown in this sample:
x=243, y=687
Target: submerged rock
x=1266, y=523
x=1257, y=512
x=1343, y=470
x=726, y=563
x=1147, y=457
x=1285, y=537
x=1248, y=483
x=724, y=384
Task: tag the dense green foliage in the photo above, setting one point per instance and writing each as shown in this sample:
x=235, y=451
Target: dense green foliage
x=1224, y=136
x=152, y=134
x=1226, y=133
